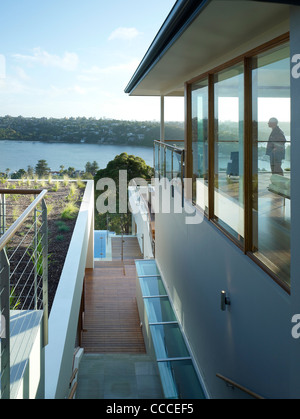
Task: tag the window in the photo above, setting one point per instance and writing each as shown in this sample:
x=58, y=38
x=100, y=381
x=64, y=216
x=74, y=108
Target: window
x=241, y=146
x=229, y=151
x=200, y=143
x=271, y=212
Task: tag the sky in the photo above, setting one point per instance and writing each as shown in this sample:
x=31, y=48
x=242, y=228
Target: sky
x=63, y=58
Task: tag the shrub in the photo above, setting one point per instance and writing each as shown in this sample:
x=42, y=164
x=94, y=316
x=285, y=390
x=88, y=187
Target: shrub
x=69, y=212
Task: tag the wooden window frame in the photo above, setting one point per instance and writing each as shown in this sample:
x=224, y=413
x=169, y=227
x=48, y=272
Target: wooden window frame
x=246, y=59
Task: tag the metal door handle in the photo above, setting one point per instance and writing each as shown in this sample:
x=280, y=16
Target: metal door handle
x=225, y=301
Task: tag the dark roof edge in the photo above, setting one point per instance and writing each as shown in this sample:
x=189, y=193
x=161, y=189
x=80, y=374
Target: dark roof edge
x=180, y=17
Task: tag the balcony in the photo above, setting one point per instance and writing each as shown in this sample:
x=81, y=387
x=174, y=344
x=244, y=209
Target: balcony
x=33, y=361
x=23, y=298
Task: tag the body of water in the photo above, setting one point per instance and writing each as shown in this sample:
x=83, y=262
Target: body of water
x=17, y=155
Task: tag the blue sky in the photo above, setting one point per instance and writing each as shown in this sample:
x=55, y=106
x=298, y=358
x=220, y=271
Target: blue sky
x=63, y=58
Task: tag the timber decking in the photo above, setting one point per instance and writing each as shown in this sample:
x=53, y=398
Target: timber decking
x=111, y=319
x=131, y=249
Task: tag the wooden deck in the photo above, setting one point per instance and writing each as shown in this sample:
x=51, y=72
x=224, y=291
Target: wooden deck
x=111, y=320
x=131, y=249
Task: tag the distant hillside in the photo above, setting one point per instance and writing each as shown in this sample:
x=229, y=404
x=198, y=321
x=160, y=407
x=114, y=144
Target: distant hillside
x=86, y=130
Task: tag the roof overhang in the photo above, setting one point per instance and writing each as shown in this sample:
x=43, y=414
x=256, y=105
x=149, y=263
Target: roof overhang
x=200, y=35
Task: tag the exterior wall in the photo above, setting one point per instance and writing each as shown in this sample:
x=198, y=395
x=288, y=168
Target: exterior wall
x=140, y=223
x=295, y=231
x=64, y=315
x=249, y=342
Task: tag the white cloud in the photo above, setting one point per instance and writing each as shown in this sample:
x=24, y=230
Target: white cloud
x=21, y=74
x=69, y=61
x=125, y=34
x=95, y=73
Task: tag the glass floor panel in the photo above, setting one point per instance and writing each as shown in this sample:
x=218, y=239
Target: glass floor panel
x=146, y=267
x=159, y=310
x=152, y=286
x=168, y=341
x=179, y=380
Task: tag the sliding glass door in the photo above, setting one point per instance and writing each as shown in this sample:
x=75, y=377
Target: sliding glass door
x=271, y=212
x=229, y=150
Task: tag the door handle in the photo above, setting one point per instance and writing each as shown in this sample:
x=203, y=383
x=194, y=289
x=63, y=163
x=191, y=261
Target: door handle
x=225, y=301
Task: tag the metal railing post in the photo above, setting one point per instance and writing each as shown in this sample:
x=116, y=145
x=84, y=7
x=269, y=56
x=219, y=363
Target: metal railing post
x=36, y=258
x=45, y=269
x=5, y=326
x=2, y=214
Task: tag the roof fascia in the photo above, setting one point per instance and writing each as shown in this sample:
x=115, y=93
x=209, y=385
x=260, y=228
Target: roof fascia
x=180, y=17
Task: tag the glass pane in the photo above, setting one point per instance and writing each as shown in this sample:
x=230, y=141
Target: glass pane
x=179, y=380
x=271, y=160
x=152, y=286
x=169, y=164
x=229, y=150
x=157, y=156
x=159, y=310
x=168, y=341
x=200, y=143
x=176, y=165
x=146, y=267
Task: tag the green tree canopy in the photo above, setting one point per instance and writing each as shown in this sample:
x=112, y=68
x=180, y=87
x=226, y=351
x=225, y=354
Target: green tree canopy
x=42, y=169
x=135, y=168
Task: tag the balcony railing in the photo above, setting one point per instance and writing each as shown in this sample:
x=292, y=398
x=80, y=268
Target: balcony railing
x=23, y=281
x=169, y=163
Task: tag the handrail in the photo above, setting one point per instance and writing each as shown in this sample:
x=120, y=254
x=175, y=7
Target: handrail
x=73, y=391
x=240, y=387
x=20, y=191
x=7, y=236
x=174, y=148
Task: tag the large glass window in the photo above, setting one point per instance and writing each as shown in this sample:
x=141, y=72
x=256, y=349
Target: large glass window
x=200, y=143
x=271, y=212
x=229, y=151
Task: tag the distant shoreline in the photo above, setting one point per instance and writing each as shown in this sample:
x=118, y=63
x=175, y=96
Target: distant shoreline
x=75, y=142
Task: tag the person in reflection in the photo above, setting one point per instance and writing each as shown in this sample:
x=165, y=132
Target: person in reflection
x=276, y=147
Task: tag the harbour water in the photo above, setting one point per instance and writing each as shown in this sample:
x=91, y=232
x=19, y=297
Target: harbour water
x=15, y=155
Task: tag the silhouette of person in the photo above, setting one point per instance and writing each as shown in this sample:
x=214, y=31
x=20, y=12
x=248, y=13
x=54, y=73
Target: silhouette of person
x=276, y=147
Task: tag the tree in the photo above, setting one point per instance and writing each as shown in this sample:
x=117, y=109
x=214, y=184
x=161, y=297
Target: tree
x=30, y=171
x=92, y=167
x=19, y=174
x=135, y=168
x=42, y=169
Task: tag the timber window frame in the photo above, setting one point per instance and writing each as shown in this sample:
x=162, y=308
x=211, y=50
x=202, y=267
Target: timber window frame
x=246, y=60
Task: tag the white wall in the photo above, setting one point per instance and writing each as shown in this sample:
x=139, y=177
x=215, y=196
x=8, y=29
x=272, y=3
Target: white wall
x=248, y=343
x=141, y=221
x=64, y=314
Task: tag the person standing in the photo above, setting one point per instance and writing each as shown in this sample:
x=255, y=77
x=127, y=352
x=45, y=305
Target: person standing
x=276, y=147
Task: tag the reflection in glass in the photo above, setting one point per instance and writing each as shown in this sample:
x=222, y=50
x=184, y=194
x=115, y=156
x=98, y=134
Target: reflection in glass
x=179, y=380
x=200, y=143
x=168, y=341
x=271, y=210
x=159, y=310
x=146, y=267
x=229, y=150
x=152, y=286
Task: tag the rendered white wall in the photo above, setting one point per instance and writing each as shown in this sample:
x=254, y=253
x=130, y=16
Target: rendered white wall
x=64, y=314
x=249, y=342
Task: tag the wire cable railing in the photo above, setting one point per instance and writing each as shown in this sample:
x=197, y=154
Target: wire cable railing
x=23, y=280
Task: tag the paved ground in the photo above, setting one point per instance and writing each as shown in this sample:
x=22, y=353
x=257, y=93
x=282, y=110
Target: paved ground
x=118, y=376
